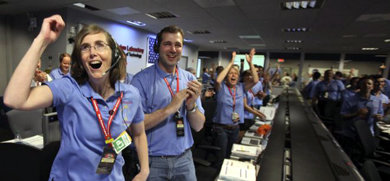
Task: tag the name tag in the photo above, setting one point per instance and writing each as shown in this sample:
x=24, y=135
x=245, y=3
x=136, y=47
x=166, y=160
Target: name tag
x=121, y=142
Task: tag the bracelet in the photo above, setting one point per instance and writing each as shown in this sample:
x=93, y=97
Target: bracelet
x=193, y=109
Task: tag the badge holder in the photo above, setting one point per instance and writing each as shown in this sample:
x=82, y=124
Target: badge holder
x=235, y=116
x=107, y=161
x=179, y=124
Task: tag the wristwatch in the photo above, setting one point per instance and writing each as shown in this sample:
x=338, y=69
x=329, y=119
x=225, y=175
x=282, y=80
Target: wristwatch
x=193, y=109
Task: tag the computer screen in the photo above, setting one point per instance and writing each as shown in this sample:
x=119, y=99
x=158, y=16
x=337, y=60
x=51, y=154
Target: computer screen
x=257, y=60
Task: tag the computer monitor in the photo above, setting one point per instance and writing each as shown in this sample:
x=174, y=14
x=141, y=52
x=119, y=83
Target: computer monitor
x=257, y=60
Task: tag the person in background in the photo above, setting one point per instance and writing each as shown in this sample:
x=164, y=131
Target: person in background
x=363, y=105
x=206, y=77
x=191, y=70
x=64, y=69
x=230, y=105
x=352, y=88
x=85, y=104
x=172, y=106
x=40, y=76
x=250, y=111
x=309, y=87
x=327, y=89
x=379, y=83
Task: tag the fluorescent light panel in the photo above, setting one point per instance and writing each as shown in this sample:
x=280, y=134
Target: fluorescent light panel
x=250, y=36
x=136, y=23
x=308, y=4
x=387, y=41
x=369, y=49
x=298, y=29
x=293, y=41
x=80, y=5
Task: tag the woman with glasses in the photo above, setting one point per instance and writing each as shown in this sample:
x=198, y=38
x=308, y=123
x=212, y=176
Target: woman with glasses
x=230, y=104
x=94, y=108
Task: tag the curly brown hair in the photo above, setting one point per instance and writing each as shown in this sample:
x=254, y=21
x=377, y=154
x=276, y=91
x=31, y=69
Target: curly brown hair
x=78, y=71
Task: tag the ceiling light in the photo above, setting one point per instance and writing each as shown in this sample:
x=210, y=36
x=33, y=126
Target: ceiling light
x=293, y=41
x=218, y=41
x=288, y=5
x=188, y=40
x=293, y=48
x=249, y=36
x=299, y=29
x=296, y=4
x=81, y=5
x=369, y=49
x=312, y=4
x=136, y=23
x=387, y=41
x=304, y=4
x=257, y=45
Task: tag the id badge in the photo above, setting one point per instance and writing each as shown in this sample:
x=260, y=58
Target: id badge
x=121, y=142
x=235, y=116
x=326, y=95
x=179, y=124
x=107, y=161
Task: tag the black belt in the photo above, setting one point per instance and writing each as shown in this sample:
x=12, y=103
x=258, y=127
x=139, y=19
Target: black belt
x=171, y=156
x=228, y=127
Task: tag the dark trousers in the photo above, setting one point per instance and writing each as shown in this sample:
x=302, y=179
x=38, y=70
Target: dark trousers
x=224, y=138
x=131, y=166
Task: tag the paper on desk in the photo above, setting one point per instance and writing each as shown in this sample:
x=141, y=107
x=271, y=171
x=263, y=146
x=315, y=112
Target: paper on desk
x=237, y=170
x=34, y=141
x=269, y=112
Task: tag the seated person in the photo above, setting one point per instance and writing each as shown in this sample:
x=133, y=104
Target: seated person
x=64, y=69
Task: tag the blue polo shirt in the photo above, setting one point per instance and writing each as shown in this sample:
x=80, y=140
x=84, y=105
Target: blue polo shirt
x=252, y=100
x=308, y=88
x=258, y=87
x=356, y=102
x=57, y=73
x=162, y=139
x=386, y=89
x=334, y=90
x=82, y=140
x=223, y=114
x=348, y=93
x=206, y=78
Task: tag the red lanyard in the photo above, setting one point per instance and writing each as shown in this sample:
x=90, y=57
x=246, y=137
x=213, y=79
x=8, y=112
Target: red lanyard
x=106, y=130
x=233, y=94
x=177, y=83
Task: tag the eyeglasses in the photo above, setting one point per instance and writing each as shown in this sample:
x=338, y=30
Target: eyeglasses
x=99, y=46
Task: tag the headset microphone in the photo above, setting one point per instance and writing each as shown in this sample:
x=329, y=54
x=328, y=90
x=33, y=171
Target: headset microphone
x=112, y=66
x=116, y=55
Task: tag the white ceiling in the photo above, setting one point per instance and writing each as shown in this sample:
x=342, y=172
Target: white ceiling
x=338, y=26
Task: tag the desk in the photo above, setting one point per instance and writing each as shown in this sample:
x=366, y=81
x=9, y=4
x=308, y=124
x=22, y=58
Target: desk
x=34, y=141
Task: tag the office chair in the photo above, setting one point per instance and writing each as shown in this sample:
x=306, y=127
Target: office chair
x=25, y=123
x=368, y=145
x=370, y=172
x=49, y=153
x=204, y=153
x=19, y=162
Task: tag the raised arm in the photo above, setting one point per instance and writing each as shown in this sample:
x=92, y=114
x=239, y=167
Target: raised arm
x=253, y=70
x=225, y=71
x=18, y=94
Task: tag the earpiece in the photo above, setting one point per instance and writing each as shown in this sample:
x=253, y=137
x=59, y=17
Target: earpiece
x=116, y=56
